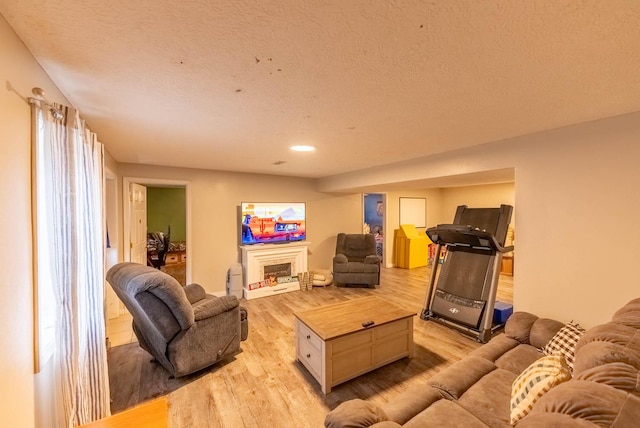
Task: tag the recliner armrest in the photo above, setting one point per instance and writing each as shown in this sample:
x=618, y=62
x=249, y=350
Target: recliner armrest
x=213, y=305
x=372, y=260
x=195, y=292
x=340, y=258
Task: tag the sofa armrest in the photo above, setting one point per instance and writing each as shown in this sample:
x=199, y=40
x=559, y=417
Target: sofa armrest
x=528, y=329
x=372, y=260
x=212, y=306
x=195, y=293
x=340, y=258
x=543, y=330
x=519, y=325
x=355, y=413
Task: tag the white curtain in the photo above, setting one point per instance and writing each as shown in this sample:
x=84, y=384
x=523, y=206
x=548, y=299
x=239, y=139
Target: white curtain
x=70, y=169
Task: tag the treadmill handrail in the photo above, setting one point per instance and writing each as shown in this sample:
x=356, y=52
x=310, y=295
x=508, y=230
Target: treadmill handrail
x=455, y=234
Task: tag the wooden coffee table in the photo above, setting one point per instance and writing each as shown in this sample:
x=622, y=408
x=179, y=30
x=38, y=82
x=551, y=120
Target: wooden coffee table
x=335, y=346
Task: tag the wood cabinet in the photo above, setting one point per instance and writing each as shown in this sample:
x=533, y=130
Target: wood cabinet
x=507, y=266
x=174, y=257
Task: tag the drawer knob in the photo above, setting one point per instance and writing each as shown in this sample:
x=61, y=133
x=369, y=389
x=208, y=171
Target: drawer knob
x=308, y=336
x=308, y=355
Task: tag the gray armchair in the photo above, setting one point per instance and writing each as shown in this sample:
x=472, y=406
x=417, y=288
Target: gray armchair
x=356, y=261
x=183, y=328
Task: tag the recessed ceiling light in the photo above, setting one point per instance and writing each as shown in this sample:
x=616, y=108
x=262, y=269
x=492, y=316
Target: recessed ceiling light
x=303, y=148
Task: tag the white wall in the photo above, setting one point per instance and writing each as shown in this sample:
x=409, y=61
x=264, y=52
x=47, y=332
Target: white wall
x=20, y=72
x=577, y=202
x=216, y=196
x=481, y=196
x=433, y=197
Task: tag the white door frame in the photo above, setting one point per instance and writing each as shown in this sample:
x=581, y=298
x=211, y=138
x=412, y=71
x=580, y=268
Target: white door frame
x=126, y=181
x=113, y=304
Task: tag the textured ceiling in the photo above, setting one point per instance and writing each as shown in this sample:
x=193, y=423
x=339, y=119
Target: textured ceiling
x=231, y=84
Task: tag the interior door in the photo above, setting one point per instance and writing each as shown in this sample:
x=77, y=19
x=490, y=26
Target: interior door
x=138, y=223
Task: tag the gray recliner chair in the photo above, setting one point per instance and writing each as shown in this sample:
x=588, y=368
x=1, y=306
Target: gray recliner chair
x=183, y=328
x=356, y=261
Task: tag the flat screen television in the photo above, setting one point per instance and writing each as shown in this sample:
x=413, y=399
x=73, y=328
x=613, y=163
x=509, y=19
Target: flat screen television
x=272, y=222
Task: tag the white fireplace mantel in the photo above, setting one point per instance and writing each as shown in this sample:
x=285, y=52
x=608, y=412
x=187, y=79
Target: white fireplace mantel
x=256, y=257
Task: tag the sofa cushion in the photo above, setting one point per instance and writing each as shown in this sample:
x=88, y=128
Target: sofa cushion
x=496, y=347
x=595, y=354
x=621, y=376
x=617, y=343
x=555, y=420
x=354, y=413
x=535, y=381
x=159, y=318
x=445, y=413
x=518, y=358
x=487, y=399
x=386, y=424
x=457, y=378
x=592, y=402
x=412, y=401
x=564, y=342
x=356, y=267
x=629, y=314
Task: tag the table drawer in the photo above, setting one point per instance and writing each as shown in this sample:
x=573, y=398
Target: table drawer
x=351, y=341
x=310, y=357
x=306, y=335
x=392, y=328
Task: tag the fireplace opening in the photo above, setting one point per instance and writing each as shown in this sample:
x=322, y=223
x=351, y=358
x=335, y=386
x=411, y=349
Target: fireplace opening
x=273, y=272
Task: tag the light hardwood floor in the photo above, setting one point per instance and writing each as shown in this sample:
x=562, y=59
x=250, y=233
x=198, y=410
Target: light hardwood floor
x=264, y=386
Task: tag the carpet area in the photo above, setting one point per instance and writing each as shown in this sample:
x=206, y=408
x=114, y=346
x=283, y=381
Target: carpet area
x=134, y=378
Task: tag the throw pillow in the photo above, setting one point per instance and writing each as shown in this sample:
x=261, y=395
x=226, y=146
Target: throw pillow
x=534, y=382
x=564, y=342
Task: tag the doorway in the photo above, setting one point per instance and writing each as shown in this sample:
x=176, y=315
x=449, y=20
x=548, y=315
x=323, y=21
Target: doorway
x=167, y=230
x=127, y=209
x=374, y=210
x=128, y=205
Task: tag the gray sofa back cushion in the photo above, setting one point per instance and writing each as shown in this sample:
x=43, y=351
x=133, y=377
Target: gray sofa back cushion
x=356, y=246
x=159, y=314
x=137, y=279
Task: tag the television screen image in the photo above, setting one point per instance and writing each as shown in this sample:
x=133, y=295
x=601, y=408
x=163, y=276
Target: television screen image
x=272, y=222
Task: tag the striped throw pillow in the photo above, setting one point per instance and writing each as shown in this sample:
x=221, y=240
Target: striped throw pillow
x=534, y=382
x=564, y=342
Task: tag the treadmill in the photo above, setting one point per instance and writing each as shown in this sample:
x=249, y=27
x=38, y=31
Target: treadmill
x=464, y=294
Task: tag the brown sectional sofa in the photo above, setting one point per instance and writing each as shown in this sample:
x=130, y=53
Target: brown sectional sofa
x=476, y=391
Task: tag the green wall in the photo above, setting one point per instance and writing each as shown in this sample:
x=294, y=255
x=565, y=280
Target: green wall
x=167, y=206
